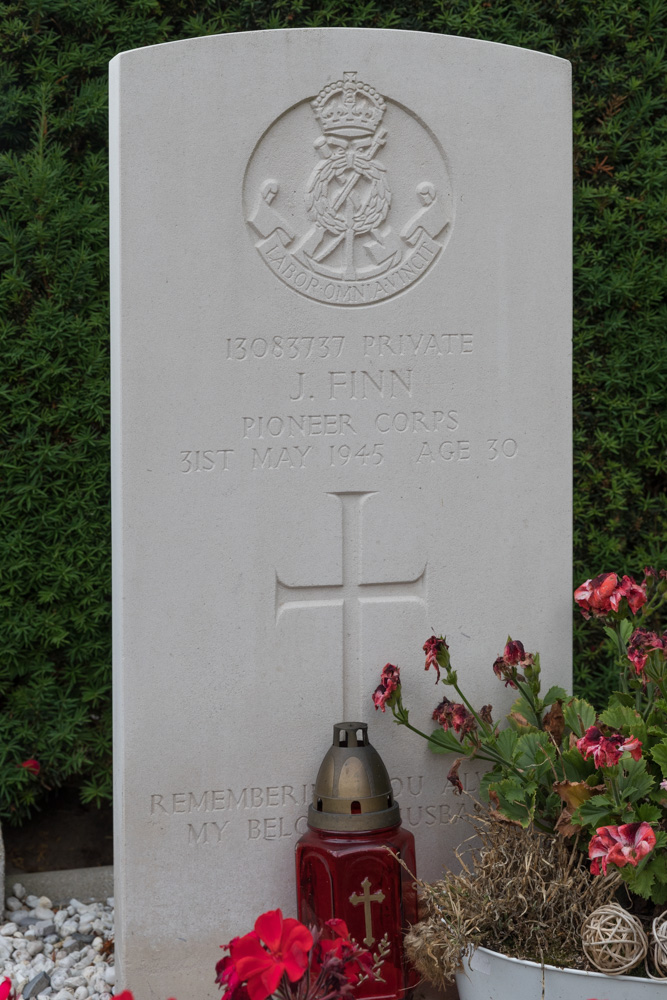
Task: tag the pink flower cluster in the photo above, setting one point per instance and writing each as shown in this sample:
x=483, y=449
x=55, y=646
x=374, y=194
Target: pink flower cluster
x=607, y=750
x=603, y=594
x=641, y=645
x=620, y=846
x=390, y=681
x=453, y=715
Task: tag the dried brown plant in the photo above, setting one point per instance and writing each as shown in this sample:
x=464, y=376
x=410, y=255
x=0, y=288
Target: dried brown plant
x=519, y=892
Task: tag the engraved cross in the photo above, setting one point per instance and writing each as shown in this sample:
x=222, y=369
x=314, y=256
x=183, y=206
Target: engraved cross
x=367, y=899
x=350, y=594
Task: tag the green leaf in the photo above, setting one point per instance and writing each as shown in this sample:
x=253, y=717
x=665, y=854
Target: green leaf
x=506, y=743
x=659, y=755
x=596, y=811
x=523, y=708
x=516, y=801
x=622, y=698
x=576, y=768
x=646, y=813
x=535, y=754
x=446, y=742
x=622, y=717
x=554, y=693
x=579, y=716
x=640, y=881
x=634, y=782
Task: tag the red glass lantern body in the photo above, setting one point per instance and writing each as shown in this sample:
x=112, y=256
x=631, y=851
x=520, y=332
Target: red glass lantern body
x=351, y=876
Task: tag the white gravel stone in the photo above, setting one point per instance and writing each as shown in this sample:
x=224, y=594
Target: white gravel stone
x=20, y=893
x=73, y=982
x=12, y=903
x=77, y=969
x=58, y=977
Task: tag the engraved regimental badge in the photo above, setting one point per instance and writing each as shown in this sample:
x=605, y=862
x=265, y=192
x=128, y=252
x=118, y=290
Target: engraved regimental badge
x=347, y=197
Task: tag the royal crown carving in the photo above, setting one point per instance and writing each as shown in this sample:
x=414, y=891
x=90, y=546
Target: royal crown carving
x=349, y=107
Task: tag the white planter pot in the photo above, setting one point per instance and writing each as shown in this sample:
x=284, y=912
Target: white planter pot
x=491, y=976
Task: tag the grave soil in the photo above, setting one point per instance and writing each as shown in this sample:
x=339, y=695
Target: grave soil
x=64, y=834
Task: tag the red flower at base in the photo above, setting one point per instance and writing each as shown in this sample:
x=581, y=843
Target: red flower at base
x=390, y=682
x=607, y=750
x=5, y=989
x=620, y=845
x=125, y=995
x=341, y=949
x=274, y=948
x=227, y=977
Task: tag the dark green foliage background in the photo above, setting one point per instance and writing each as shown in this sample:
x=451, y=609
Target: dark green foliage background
x=55, y=561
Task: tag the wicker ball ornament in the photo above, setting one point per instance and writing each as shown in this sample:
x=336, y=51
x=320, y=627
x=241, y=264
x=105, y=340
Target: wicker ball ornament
x=613, y=940
x=659, y=947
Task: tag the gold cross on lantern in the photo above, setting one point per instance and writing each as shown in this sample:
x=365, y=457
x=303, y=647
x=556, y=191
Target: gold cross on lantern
x=367, y=899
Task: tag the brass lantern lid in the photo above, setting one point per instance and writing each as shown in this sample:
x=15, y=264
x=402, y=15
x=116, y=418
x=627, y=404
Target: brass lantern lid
x=352, y=791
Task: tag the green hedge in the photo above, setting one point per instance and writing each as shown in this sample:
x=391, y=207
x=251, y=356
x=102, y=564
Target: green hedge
x=54, y=545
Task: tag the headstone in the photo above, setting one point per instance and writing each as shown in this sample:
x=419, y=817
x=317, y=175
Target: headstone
x=341, y=387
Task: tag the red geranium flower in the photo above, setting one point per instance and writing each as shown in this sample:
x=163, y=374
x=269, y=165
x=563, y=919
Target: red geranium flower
x=620, y=845
x=125, y=995
x=390, y=681
x=607, y=750
x=514, y=655
x=641, y=645
x=453, y=715
x=341, y=950
x=604, y=593
x=432, y=647
x=33, y=766
x=274, y=948
x=5, y=989
x=228, y=978
x=514, y=652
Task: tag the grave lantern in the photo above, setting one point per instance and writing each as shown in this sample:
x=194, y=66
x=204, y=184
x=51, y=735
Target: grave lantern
x=343, y=867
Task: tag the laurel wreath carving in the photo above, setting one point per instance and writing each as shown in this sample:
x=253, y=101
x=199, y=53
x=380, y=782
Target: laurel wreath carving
x=321, y=208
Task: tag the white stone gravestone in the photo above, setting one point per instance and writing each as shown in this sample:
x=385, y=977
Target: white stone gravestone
x=341, y=389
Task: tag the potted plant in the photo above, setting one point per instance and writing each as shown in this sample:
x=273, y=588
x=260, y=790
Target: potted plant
x=569, y=874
